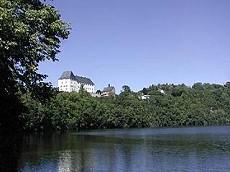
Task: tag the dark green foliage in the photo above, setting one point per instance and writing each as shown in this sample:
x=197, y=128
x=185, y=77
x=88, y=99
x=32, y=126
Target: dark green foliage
x=178, y=105
x=30, y=33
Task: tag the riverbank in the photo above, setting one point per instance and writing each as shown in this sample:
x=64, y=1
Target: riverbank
x=178, y=105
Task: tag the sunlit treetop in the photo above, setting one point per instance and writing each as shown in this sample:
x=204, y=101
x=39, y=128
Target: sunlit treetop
x=30, y=32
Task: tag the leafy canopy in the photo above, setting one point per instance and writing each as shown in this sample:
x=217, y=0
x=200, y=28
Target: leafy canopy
x=30, y=32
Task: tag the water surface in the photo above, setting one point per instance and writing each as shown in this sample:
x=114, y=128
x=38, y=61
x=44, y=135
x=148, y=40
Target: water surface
x=170, y=149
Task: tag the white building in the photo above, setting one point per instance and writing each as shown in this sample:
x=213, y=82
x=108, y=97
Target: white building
x=68, y=82
x=144, y=97
x=108, y=91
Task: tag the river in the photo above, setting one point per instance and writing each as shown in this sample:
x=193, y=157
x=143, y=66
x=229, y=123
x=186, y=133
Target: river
x=195, y=149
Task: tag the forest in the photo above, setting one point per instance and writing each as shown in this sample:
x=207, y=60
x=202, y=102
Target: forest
x=167, y=105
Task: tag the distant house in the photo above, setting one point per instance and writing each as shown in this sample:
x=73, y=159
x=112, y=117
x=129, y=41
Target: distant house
x=108, y=91
x=144, y=97
x=69, y=82
x=161, y=91
x=95, y=95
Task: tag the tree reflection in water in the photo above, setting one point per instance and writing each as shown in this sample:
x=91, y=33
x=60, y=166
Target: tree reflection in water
x=180, y=149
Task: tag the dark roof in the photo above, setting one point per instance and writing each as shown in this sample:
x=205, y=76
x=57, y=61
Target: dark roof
x=83, y=80
x=80, y=79
x=109, y=89
x=67, y=75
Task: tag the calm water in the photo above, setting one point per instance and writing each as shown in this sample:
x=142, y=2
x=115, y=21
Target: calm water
x=172, y=149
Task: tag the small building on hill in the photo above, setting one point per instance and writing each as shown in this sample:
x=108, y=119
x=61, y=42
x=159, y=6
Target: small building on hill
x=108, y=91
x=69, y=82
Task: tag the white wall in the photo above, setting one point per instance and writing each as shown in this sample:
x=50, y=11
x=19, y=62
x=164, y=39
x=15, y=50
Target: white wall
x=89, y=88
x=64, y=85
x=68, y=85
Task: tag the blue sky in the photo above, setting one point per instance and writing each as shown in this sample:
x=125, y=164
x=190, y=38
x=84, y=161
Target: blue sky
x=144, y=42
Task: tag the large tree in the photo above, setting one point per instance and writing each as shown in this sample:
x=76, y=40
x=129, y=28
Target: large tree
x=30, y=32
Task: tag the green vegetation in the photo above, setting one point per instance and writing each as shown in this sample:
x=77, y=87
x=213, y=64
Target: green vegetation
x=30, y=33
x=176, y=105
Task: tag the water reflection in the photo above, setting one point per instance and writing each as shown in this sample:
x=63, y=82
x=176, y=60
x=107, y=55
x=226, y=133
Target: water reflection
x=129, y=150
